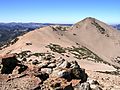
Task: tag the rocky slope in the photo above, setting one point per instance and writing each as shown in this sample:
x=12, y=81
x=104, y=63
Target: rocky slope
x=47, y=73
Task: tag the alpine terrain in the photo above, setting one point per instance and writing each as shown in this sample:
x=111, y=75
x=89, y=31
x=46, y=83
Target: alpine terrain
x=84, y=56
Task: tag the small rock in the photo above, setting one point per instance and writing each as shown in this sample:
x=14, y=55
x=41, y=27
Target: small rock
x=55, y=72
x=15, y=71
x=74, y=64
x=52, y=65
x=95, y=87
x=60, y=61
x=44, y=64
x=91, y=81
x=24, y=59
x=35, y=62
x=47, y=70
x=53, y=61
x=29, y=60
x=65, y=64
x=48, y=57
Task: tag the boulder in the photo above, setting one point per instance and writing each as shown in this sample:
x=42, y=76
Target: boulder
x=9, y=62
x=70, y=71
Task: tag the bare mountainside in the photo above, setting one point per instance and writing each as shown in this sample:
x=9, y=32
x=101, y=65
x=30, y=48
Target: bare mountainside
x=95, y=35
x=99, y=37
x=54, y=53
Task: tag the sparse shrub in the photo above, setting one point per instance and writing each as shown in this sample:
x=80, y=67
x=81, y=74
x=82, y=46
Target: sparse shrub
x=56, y=48
x=28, y=43
x=36, y=54
x=49, y=57
x=84, y=53
x=23, y=54
x=110, y=72
x=77, y=43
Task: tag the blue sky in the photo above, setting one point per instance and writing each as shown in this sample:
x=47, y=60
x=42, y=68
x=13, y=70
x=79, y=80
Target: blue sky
x=59, y=11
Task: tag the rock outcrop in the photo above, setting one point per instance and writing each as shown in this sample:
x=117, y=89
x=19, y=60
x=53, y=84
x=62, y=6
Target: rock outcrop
x=46, y=75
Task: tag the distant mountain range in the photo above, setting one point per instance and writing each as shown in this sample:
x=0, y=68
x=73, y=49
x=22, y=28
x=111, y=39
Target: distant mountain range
x=14, y=25
x=9, y=31
x=117, y=26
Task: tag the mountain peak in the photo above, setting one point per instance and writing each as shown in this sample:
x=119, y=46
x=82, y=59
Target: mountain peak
x=89, y=18
x=86, y=20
x=94, y=26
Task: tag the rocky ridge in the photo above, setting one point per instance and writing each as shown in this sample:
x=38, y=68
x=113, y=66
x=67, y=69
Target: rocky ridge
x=43, y=74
